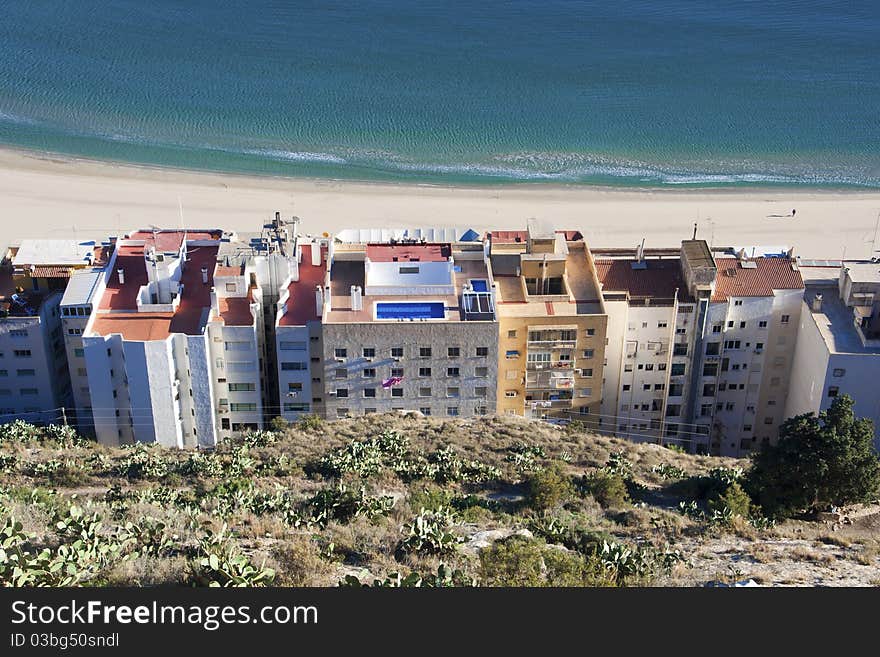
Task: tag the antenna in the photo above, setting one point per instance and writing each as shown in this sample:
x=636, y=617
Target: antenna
x=180, y=211
x=874, y=240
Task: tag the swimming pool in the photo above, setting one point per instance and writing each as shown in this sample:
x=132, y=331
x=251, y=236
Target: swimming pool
x=410, y=310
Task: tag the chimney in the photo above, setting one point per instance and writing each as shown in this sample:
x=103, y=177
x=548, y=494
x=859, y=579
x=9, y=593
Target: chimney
x=327, y=299
x=817, y=303
x=316, y=254
x=277, y=218
x=640, y=251
x=205, y=275
x=319, y=300
x=121, y=273
x=357, y=302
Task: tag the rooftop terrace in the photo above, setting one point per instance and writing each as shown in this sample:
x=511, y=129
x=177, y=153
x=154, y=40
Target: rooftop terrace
x=835, y=322
x=301, y=306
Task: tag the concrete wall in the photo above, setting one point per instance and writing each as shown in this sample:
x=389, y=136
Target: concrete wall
x=467, y=336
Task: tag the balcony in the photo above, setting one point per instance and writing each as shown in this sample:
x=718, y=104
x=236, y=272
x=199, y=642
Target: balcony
x=550, y=380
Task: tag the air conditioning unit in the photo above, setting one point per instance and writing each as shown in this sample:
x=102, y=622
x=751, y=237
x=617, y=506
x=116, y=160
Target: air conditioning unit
x=368, y=360
x=339, y=360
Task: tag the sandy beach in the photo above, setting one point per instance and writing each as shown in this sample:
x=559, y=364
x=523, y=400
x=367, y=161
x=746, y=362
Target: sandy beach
x=42, y=195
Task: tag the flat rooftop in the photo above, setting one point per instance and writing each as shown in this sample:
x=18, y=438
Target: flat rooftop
x=697, y=253
x=835, y=322
x=864, y=272
x=345, y=273
x=55, y=252
x=584, y=294
x=117, y=308
x=301, y=304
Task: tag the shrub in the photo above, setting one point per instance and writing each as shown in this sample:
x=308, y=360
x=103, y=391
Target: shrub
x=734, y=499
x=609, y=489
x=310, y=423
x=520, y=561
x=428, y=533
x=550, y=488
x=818, y=461
x=278, y=424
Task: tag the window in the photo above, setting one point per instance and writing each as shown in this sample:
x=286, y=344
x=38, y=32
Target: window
x=296, y=407
x=341, y=373
x=481, y=372
x=397, y=392
x=341, y=393
x=738, y=302
x=729, y=406
x=369, y=373
x=242, y=387
x=74, y=331
x=626, y=387
x=424, y=410
x=341, y=412
x=659, y=386
x=408, y=269
x=742, y=324
x=677, y=369
x=397, y=352
x=705, y=409
x=661, y=324
x=29, y=392
x=709, y=390
x=452, y=372
x=591, y=331
x=511, y=334
x=646, y=386
x=710, y=369
x=762, y=324
x=732, y=344
x=424, y=371
x=79, y=353
x=730, y=324
x=22, y=353
x=587, y=372
x=661, y=367
x=510, y=393
x=768, y=420
x=588, y=353
x=424, y=392
x=369, y=393
x=369, y=352
x=481, y=391
x=292, y=346
x=80, y=371
x=453, y=392
x=833, y=391
x=241, y=345
x=18, y=333
x=680, y=349
x=759, y=347
x=424, y=352
x=294, y=387
x=237, y=408
x=512, y=375
x=649, y=367
x=482, y=352
x=585, y=392
x=397, y=372
x=25, y=372
x=293, y=366
x=838, y=372
x=230, y=287
x=453, y=352
x=340, y=353
x=716, y=328
x=369, y=411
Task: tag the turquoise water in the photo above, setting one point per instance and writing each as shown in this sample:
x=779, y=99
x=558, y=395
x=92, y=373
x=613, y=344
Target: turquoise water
x=657, y=93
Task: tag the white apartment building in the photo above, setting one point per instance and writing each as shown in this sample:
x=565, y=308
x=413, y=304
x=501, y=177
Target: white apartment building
x=651, y=332
x=838, y=342
x=407, y=324
x=743, y=367
x=34, y=380
x=173, y=346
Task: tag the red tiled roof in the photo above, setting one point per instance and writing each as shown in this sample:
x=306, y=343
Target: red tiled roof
x=170, y=240
x=408, y=252
x=770, y=274
x=660, y=279
x=301, y=305
x=51, y=271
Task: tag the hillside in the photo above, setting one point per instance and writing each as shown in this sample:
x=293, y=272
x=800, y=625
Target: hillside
x=488, y=502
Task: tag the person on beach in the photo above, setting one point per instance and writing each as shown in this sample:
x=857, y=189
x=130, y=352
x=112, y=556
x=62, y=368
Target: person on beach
x=792, y=212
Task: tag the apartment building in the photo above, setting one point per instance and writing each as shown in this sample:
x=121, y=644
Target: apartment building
x=651, y=332
x=34, y=379
x=173, y=346
x=298, y=331
x=407, y=324
x=743, y=366
x=551, y=324
x=838, y=341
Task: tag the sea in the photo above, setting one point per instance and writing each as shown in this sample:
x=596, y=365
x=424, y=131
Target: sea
x=642, y=93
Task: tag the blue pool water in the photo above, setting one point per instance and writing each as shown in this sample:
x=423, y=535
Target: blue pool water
x=480, y=285
x=410, y=311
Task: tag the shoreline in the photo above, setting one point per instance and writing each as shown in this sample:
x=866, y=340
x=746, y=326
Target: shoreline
x=44, y=194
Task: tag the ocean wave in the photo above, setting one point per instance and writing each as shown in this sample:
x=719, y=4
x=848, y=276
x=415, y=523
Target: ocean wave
x=292, y=156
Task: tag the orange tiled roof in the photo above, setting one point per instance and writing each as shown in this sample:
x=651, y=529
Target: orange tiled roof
x=661, y=278
x=769, y=274
x=51, y=271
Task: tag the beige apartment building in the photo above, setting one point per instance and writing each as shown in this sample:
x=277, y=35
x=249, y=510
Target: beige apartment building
x=551, y=324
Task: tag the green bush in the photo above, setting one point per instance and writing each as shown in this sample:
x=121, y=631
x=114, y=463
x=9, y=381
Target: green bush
x=734, y=499
x=520, y=561
x=818, y=461
x=609, y=489
x=549, y=488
